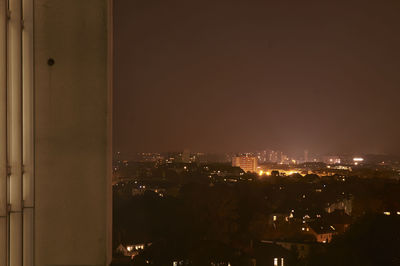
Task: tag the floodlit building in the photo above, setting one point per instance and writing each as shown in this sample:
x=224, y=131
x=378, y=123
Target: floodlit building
x=247, y=163
x=55, y=132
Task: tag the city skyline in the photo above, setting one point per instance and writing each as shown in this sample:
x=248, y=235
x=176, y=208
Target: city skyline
x=287, y=156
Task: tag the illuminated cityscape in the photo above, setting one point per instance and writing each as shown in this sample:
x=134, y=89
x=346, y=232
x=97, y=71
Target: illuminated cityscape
x=292, y=209
x=199, y=133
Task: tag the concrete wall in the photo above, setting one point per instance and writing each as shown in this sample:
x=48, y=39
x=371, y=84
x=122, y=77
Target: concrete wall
x=72, y=132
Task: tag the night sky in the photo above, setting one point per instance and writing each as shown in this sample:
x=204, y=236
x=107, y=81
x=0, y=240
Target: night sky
x=232, y=75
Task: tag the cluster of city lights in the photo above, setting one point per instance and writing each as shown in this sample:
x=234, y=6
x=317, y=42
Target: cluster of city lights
x=268, y=173
x=261, y=173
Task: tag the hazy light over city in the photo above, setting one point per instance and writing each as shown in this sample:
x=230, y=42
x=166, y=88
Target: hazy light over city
x=247, y=75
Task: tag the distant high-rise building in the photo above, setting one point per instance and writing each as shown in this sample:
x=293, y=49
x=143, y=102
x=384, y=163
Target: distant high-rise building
x=284, y=159
x=305, y=156
x=273, y=156
x=186, y=156
x=247, y=163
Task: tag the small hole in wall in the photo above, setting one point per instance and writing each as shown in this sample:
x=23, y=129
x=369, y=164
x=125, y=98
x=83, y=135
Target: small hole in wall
x=50, y=61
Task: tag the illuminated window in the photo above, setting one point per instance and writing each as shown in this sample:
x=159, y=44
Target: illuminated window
x=275, y=261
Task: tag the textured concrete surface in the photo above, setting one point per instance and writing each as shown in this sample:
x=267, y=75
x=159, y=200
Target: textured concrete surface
x=72, y=133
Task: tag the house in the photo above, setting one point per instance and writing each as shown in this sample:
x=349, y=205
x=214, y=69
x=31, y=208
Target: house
x=270, y=254
x=302, y=248
x=339, y=220
x=322, y=232
x=345, y=204
x=131, y=250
